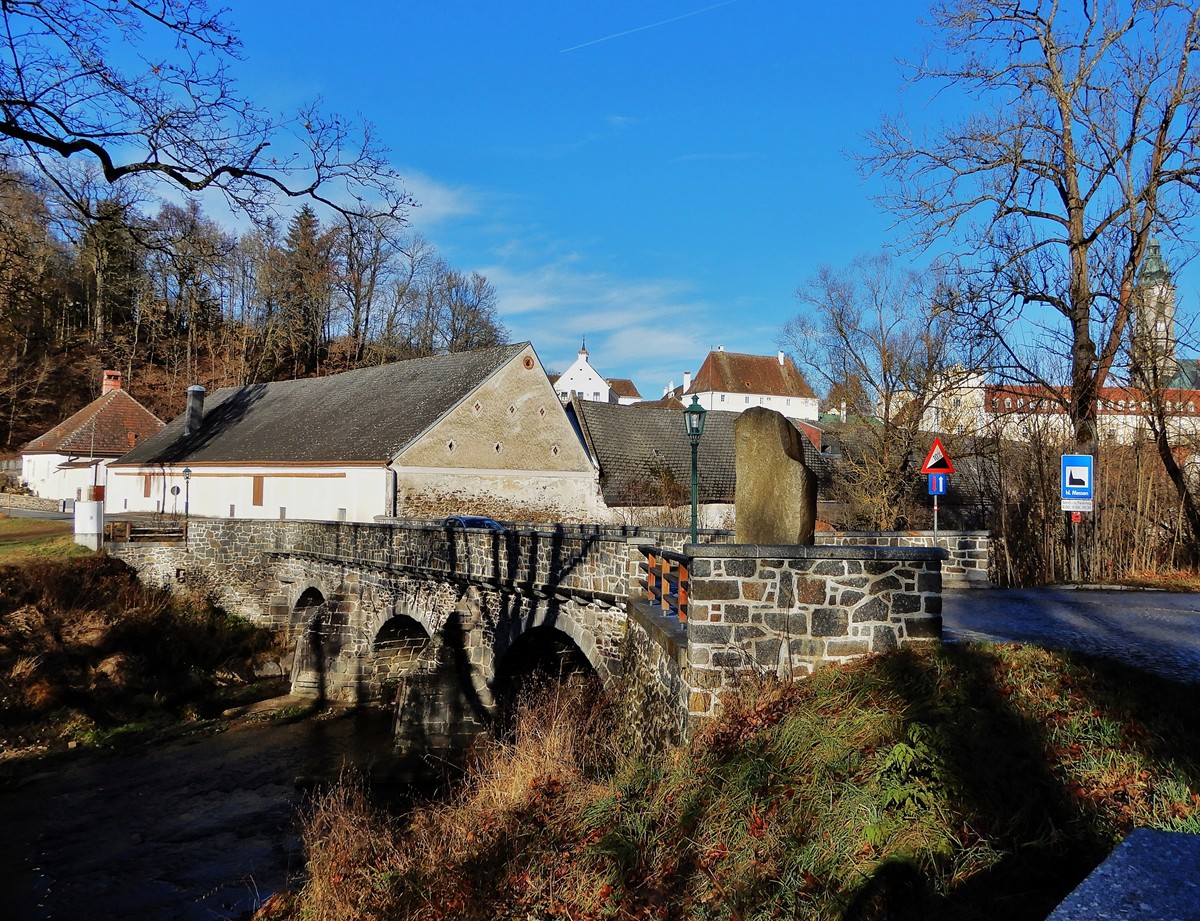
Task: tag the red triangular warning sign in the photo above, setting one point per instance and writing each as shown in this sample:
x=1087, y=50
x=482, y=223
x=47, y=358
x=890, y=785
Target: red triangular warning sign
x=937, y=461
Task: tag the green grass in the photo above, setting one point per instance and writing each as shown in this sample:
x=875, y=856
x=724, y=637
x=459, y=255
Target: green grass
x=955, y=782
x=33, y=538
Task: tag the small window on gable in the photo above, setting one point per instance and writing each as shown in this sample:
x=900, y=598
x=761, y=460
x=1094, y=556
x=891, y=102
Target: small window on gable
x=722, y=398
x=747, y=401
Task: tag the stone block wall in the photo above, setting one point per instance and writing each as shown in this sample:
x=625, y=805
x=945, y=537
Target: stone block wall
x=968, y=553
x=12, y=500
x=786, y=610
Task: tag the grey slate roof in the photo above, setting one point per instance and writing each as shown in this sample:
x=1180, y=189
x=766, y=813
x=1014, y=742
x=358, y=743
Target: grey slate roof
x=634, y=445
x=367, y=415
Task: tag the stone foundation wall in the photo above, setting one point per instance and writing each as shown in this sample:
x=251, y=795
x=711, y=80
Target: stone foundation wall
x=968, y=552
x=12, y=500
x=655, y=687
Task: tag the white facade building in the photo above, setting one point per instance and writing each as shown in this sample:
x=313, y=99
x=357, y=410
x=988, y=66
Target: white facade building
x=70, y=462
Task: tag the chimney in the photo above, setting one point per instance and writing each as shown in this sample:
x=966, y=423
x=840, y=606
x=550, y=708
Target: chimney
x=193, y=414
x=687, y=381
x=111, y=381
x=781, y=358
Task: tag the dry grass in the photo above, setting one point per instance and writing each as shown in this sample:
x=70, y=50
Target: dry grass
x=1169, y=580
x=86, y=649
x=952, y=783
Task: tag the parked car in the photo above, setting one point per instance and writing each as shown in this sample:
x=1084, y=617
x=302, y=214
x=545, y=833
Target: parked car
x=478, y=522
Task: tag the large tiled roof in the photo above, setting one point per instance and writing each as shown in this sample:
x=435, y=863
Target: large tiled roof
x=732, y=372
x=635, y=445
x=367, y=415
x=107, y=427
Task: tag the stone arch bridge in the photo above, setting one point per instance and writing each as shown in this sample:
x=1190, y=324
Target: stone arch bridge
x=448, y=624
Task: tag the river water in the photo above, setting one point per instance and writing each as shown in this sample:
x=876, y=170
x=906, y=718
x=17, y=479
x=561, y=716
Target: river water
x=200, y=828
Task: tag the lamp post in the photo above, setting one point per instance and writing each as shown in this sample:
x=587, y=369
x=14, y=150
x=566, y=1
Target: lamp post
x=693, y=423
x=187, y=495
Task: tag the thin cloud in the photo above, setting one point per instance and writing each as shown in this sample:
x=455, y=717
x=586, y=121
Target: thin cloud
x=437, y=201
x=653, y=25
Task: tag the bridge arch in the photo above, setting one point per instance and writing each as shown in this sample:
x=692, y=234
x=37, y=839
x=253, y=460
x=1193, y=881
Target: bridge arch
x=538, y=657
x=310, y=627
x=397, y=650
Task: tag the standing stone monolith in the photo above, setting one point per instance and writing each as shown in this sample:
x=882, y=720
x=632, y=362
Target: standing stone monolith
x=776, y=499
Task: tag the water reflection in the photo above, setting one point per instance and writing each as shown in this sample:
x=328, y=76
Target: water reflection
x=200, y=828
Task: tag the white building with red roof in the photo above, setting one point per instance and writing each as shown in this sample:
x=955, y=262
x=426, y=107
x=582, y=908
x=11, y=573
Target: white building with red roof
x=70, y=460
x=734, y=382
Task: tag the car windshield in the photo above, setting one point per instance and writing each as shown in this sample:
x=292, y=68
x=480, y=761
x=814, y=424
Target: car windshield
x=473, y=521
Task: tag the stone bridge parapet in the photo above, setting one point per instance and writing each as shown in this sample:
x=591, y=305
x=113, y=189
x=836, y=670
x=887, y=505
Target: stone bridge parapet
x=434, y=619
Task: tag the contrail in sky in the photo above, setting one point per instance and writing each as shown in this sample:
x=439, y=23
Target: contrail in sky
x=653, y=25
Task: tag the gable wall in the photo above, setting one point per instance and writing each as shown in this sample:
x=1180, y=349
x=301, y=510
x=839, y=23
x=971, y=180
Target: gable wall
x=584, y=380
x=513, y=422
x=507, y=451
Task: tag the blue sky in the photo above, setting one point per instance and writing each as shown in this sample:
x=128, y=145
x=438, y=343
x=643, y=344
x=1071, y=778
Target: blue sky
x=657, y=176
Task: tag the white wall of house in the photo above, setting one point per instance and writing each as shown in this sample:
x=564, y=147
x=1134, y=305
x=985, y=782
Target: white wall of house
x=59, y=477
x=804, y=408
x=333, y=493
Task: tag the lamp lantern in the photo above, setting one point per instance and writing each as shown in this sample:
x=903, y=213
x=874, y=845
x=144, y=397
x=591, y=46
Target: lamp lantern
x=693, y=424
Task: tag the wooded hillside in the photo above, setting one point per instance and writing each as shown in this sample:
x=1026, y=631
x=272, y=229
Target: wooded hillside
x=171, y=298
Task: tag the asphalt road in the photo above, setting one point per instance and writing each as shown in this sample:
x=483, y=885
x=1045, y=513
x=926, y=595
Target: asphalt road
x=1157, y=631
x=37, y=513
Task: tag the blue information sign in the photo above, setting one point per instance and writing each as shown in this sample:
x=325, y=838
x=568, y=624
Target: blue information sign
x=938, y=483
x=1077, y=476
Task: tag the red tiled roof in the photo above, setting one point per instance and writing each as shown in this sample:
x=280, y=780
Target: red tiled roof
x=731, y=372
x=624, y=387
x=107, y=427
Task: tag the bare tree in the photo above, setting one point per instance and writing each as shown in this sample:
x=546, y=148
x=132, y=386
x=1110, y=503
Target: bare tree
x=1083, y=138
x=881, y=334
x=176, y=114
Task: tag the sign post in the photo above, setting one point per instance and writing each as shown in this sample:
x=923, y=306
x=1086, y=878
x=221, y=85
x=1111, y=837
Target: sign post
x=1077, y=496
x=938, y=468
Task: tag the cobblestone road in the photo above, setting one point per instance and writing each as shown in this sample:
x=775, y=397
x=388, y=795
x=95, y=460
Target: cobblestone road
x=1157, y=631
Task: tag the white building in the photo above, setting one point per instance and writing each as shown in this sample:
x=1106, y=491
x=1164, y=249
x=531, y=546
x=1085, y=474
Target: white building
x=71, y=460
x=734, y=382
x=585, y=382
x=477, y=432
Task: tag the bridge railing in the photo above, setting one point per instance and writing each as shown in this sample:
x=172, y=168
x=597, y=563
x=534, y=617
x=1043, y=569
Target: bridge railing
x=162, y=532
x=666, y=581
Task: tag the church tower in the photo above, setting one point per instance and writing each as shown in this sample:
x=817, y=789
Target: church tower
x=1153, y=336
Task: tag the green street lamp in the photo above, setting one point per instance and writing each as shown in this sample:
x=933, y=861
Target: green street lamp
x=693, y=424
